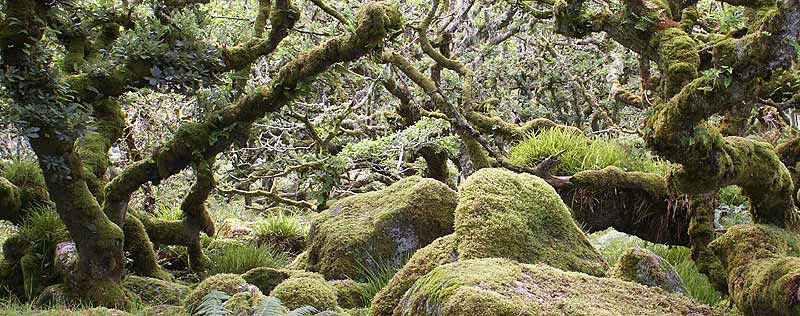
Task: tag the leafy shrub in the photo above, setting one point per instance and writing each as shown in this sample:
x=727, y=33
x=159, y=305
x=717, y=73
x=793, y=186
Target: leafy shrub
x=239, y=258
x=288, y=232
x=582, y=153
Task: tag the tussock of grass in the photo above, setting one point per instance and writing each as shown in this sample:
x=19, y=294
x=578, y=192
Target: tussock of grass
x=377, y=277
x=286, y=231
x=582, y=153
x=44, y=229
x=239, y=258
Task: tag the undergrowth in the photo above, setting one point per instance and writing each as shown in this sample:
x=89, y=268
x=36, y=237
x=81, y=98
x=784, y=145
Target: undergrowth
x=239, y=258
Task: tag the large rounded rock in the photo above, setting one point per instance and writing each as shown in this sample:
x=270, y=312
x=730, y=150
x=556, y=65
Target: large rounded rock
x=640, y=265
x=227, y=283
x=502, y=214
x=155, y=291
x=501, y=287
x=363, y=230
x=309, y=289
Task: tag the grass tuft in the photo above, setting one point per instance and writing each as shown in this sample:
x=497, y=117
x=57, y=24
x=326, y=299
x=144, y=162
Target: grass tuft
x=239, y=258
x=284, y=231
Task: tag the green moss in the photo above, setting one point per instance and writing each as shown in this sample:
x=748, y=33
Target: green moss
x=311, y=290
x=9, y=200
x=348, y=293
x=763, y=268
x=502, y=214
x=492, y=286
x=365, y=229
x=227, y=283
x=442, y=251
x=640, y=265
x=57, y=295
x=244, y=302
x=29, y=181
x=155, y=291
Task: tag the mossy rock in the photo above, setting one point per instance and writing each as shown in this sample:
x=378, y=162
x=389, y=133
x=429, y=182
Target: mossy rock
x=9, y=200
x=442, y=251
x=358, y=311
x=244, y=302
x=266, y=279
x=502, y=214
x=306, y=289
x=227, y=283
x=155, y=291
x=494, y=287
x=366, y=229
x=640, y=265
x=348, y=293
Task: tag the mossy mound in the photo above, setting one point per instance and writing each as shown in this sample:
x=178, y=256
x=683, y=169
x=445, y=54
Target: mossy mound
x=502, y=214
x=493, y=286
x=365, y=229
x=442, y=251
x=243, y=303
x=640, y=265
x=300, y=262
x=348, y=293
x=155, y=291
x=57, y=295
x=227, y=283
x=306, y=289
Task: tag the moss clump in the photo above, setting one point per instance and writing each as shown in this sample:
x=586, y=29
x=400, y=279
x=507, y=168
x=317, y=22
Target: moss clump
x=27, y=177
x=640, y=265
x=227, y=283
x=57, y=295
x=243, y=303
x=365, y=229
x=165, y=311
x=348, y=293
x=493, y=286
x=763, y=268
x=502, y=214
x=307, y=289
x=442, y=251
x=155, y=291
x=9, y=200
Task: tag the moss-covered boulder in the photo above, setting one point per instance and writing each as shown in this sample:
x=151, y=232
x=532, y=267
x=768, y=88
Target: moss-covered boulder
x=9, y=200
x=348, y=293
x=243, y=303
x=156, y=292
x=442, y=251
x=57, y=295
x=502, y=214
x=227, y=283
x=494, y=287
x=300, y=262
x=266, y=279
x=365, y=229
x=309, y=289
x=640, y=265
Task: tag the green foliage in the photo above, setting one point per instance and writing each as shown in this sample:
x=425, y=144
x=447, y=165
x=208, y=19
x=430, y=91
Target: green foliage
x=167, y=213
x=238, y=258
x=213, y=304
x=581, y=153
x=613, y=245
x=287, y=231
x=377, y=277
x=44, y=229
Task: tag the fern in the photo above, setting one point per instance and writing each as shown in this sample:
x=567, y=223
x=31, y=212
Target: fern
x=273, y=306
x=213, y=304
